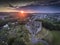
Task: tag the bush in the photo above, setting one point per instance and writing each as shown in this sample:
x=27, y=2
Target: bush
x=51, y=25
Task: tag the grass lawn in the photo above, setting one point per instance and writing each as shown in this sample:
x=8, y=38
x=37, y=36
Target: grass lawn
x=56, y=37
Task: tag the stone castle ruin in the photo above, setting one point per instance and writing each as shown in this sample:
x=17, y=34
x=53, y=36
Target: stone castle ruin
x=36, y=32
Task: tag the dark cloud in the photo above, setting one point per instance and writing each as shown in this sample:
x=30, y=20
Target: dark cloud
x=36, y=5
x=37, y=2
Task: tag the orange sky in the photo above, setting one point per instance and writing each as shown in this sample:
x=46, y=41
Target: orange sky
x=6, y=8
x=9, y=9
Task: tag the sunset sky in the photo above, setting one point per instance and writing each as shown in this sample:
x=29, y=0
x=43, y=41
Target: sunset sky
x=43, y=6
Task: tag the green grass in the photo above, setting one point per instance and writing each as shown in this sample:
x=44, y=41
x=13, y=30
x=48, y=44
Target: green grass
x=56, y=37
x=20, y=33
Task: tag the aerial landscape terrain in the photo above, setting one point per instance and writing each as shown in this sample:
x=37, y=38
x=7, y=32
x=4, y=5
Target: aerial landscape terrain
x=33, y=22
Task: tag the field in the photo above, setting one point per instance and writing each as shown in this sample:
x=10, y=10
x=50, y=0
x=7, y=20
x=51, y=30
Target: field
x=17, y=35
x=56, y=37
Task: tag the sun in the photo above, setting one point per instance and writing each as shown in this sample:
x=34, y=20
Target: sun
x=22, y=12
x=22, y=15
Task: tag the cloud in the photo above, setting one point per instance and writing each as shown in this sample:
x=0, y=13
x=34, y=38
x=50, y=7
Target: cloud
x=34, y=6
